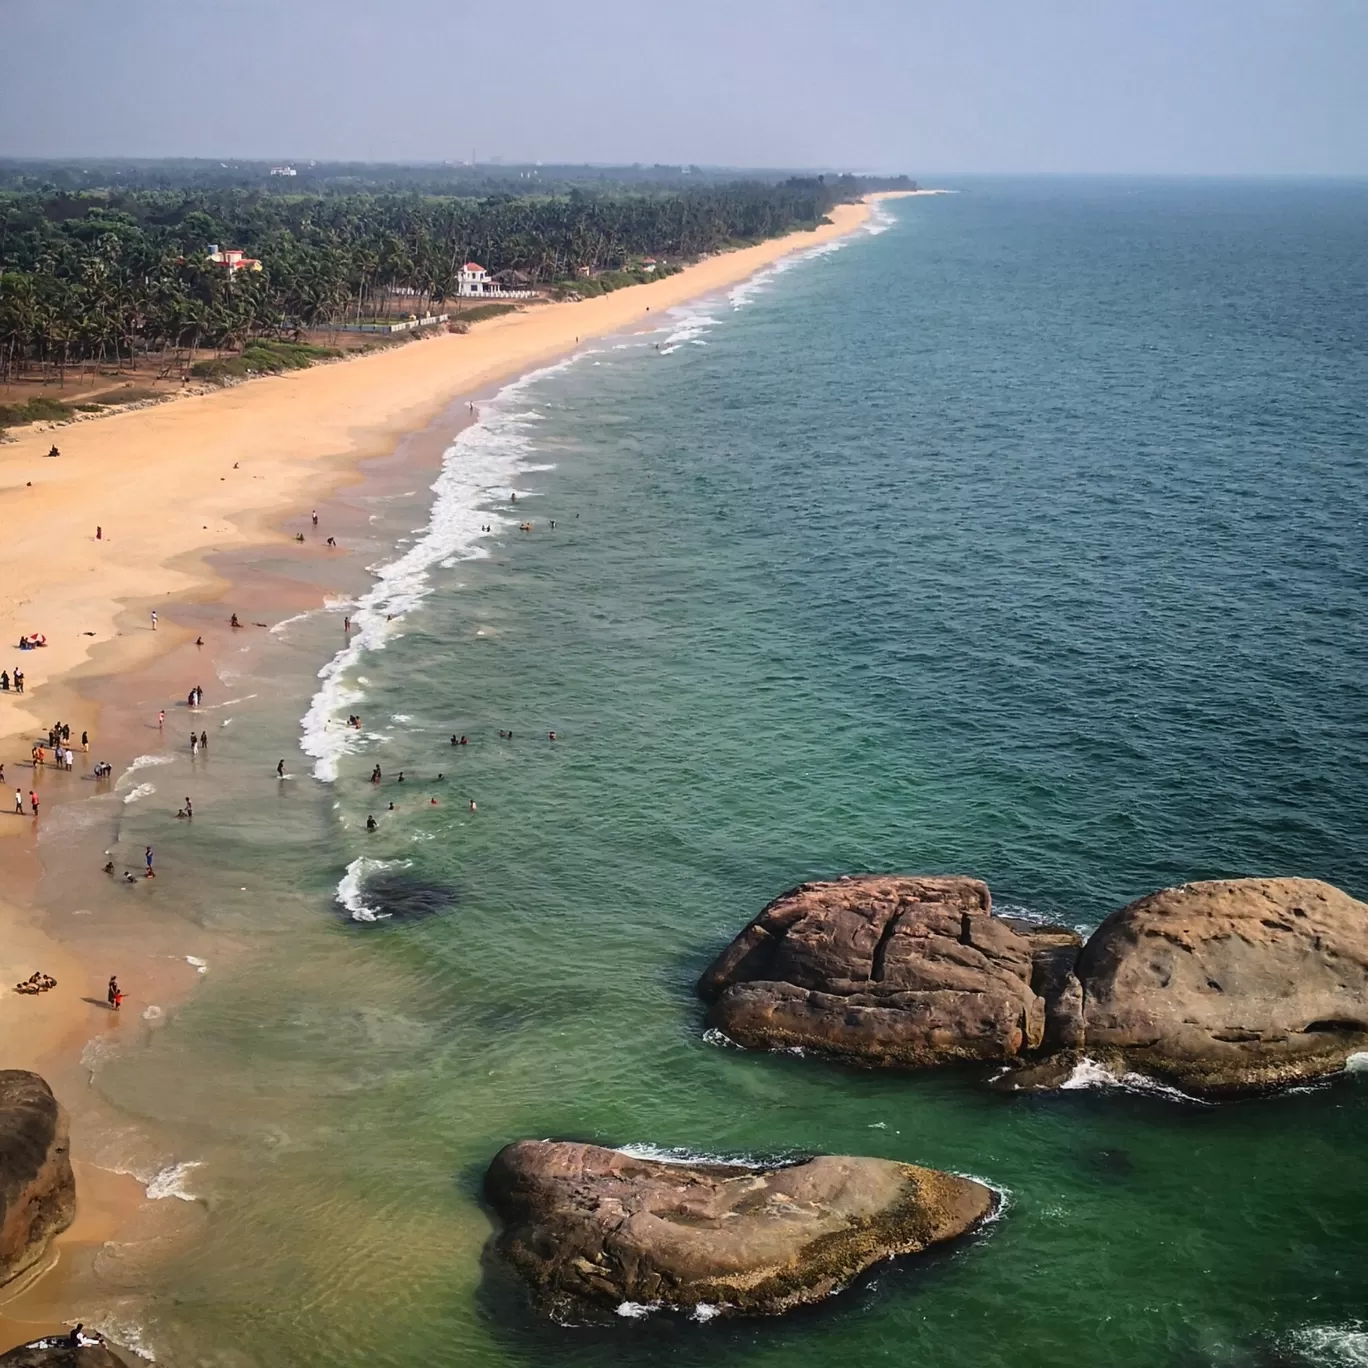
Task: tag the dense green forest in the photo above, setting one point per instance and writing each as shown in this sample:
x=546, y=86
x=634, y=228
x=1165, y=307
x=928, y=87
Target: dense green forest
x=108, y=272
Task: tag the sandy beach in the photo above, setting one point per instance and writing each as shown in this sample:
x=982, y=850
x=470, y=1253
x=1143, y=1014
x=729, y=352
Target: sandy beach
x=176, y=491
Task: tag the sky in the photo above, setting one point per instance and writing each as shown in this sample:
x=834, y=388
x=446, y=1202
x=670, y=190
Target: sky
x=1230, y=87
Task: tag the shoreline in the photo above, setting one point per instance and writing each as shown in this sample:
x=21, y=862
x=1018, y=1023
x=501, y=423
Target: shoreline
x=301, y=438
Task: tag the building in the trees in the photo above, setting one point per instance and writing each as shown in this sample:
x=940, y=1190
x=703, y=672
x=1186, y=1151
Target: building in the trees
x=233, y=258
x=474, y=282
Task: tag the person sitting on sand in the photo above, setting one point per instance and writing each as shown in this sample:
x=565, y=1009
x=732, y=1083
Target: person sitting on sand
x=199, y=641
x=109, y=866
x=233, y=621
x=54, y=450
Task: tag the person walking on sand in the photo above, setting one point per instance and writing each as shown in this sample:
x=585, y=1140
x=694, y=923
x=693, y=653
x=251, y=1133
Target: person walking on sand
x=19, y=801
x=204, y=740
x=33, y=802
x=194, y=744
x=154, y=619
x=161, y=719
x=85, y=742
x=115, y=993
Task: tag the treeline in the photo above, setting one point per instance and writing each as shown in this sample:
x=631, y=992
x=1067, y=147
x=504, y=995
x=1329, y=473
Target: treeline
x=376, y=178
x=105, y=274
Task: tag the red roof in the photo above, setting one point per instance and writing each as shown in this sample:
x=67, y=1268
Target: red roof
x=472, y=266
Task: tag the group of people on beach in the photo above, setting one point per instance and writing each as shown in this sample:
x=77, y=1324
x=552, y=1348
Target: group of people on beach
x=18, y=681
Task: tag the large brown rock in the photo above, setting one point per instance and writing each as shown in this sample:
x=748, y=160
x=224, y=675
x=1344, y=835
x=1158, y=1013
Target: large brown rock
x=1229, y=986
x=591, y=1229
x=37, y=1189
x=888, y=970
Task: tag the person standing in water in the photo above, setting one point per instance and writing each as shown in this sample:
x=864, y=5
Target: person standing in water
x=147, y=858
x=280, y=769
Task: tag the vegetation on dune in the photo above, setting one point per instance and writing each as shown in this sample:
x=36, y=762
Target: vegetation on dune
x=42, y=409
x=106, y=275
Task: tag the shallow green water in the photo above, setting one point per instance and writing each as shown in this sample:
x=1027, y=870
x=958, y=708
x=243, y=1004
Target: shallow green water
x=1022, y=539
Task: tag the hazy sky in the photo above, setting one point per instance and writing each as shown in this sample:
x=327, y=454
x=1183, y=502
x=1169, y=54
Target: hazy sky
x=1229, y=86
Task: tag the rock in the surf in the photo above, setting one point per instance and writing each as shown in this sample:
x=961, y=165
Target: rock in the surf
x=37, y=1189
x=1229, y=986
x=62, y=1352
x=893, y=970
x=593, y=1230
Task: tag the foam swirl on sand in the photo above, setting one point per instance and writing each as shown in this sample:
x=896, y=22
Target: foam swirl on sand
x=478, y=468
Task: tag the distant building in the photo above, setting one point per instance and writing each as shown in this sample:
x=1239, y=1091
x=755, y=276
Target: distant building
x=283, y=171
x=648, y=263
x=474, y=282
x=233, y=258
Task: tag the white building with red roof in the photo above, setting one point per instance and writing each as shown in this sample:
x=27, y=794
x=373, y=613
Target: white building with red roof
x=234, y=258
x=474, y=282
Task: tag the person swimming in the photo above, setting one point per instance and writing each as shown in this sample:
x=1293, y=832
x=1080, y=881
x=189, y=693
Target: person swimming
x=371, y=823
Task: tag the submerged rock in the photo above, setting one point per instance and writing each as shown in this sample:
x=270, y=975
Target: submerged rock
x=37, y=1189
x=890, y=970
x=1229, y=986
x=594, y=1230
x=1218, y=988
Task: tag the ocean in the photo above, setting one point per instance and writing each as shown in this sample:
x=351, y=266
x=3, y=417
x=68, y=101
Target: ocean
x=1020, y=535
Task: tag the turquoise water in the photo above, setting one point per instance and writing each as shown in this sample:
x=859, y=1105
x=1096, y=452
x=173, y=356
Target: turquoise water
x=1023, y=538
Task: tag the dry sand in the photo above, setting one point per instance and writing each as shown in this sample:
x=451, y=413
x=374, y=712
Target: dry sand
x=168, y=486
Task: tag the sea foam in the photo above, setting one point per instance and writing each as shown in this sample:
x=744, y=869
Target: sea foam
x=351, y=888
x=479, y=467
